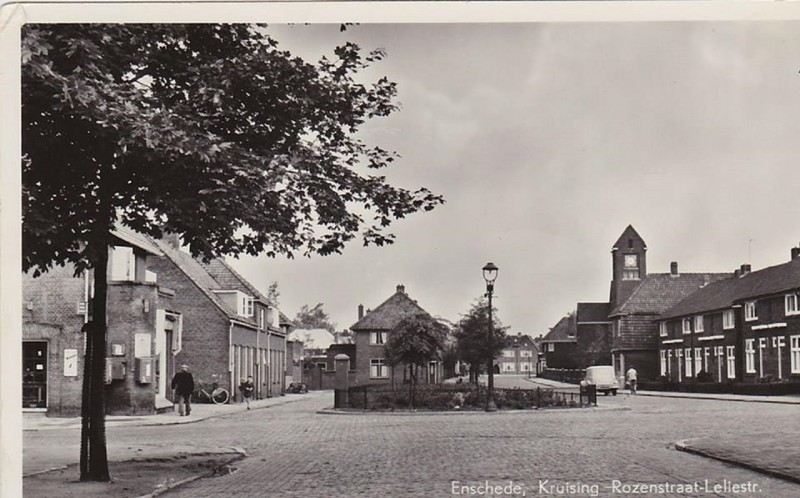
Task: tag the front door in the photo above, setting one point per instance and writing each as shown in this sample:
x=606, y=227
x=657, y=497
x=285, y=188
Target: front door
x=34, y=374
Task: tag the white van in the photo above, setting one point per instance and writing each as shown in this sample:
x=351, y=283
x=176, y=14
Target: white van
x=603, y=378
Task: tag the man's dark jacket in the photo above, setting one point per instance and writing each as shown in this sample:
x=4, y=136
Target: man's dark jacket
x=183, y=383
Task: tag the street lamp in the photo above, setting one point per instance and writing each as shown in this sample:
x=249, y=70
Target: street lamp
x=490, y=275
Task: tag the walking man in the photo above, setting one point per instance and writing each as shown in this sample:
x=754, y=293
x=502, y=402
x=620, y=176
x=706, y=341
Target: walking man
x=632, y=376
x=183, y=384
x=247, y=388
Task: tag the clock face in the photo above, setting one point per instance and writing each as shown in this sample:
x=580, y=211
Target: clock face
x=630, y=261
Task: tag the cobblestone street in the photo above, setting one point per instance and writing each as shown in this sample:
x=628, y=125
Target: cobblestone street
x=294, y=451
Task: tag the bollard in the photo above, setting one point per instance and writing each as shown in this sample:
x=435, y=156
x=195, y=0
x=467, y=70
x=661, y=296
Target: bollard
x=341, y=385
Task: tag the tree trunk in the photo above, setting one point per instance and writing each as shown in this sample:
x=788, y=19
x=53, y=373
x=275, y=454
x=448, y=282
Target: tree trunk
x=86, y=398
x=94, y=457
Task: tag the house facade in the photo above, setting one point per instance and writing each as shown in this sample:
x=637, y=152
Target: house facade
x=560, y=345
x=371, y=332
x=519, y=356
x=742, y=329
x=144, y=331
x=231, y=330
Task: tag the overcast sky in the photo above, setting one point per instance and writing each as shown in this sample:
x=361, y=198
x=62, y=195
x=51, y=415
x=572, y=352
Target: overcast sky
x=546, y=141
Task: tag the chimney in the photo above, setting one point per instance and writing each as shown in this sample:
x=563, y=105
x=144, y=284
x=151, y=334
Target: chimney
x=673, y=268
x=172, y=239
x=795, y=252
x=360, y=311
x=401, y=289
x=744, y=270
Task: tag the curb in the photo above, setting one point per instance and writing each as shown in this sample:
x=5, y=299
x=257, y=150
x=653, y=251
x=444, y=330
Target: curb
x=683, y=445
x=334, y=411
x=169, y=487
x=712, y=398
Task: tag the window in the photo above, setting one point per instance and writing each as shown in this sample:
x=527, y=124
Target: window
x=687, y=326
x=525, y=353
x=262, y=320
x=663, y=362
x=508, y=366
x=698, y=359
x=377, y=337
x=688, y=362
x=662, y=329
x=750, y=311
x=794, y=353
x=378, y=369
x=698, y=323
x=792, y=304
x=727, y=319
x=750, y=356
x=123, y=263
x=245, y=305
x=731, y=362
x=551, y=347
x=630, y=269
x=508, y=353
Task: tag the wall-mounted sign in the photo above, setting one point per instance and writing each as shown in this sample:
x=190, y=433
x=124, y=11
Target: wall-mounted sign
x=70, y=363
x=142, y=346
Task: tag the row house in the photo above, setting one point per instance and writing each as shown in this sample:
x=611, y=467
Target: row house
x=370, y=334
x=232, y=330
x=744, y=329
x=519, y=356
x=144, y=333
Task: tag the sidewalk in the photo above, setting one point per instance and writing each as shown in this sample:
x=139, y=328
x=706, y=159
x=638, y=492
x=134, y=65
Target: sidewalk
x=200, y=411
x=788, y=399
x=553, y=384
x=773, y=454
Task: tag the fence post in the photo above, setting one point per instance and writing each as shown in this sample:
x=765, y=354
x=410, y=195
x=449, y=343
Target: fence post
x=342, y=381
x=538, y=397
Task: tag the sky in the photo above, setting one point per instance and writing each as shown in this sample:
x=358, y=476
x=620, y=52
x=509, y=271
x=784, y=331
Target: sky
x=548, y=139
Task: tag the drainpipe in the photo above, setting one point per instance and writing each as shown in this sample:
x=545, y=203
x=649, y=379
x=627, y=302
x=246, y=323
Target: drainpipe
x=258, y=354
x=269, y=362
x=230, y=357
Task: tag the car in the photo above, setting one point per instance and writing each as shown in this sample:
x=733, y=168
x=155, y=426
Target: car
x=603, y=378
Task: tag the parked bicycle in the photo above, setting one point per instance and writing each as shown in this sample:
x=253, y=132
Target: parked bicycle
x=216, y=394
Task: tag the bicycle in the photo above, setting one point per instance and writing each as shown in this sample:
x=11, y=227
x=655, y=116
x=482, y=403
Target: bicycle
x=218, y=395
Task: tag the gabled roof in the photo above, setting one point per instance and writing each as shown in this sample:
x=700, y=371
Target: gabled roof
x=230, y=279
x=660, y=291
x=195, y=272
x=522, y=341
x=389, y=313
x=628, y=234
x=593, y=312
x=725, y=293
x=565, y=330
x=135, y=239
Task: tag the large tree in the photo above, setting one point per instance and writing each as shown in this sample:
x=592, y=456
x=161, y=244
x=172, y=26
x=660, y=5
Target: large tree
x=415, y=341
x=314, y=318
x=208, y=131
x=472, y=338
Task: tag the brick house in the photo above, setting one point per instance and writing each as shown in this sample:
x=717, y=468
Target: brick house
x=231, y=330
x=745, y=328
x=144, y=327
x=519, y=356
x=370, y=334
x=560, y=344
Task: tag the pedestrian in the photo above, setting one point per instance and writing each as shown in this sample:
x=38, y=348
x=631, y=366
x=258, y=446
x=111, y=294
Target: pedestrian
x=246, y=388
x=183, y=384
x=632, y=376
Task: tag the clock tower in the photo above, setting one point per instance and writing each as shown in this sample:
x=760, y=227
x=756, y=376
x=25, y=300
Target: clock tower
x=628, y=265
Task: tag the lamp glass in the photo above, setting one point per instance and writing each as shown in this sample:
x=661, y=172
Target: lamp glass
x=490, y=272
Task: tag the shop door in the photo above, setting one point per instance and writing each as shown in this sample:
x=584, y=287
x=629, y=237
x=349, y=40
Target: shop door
x=34, y=374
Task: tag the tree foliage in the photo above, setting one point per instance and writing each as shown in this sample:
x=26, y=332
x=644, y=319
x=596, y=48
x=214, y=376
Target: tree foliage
x=472, y=338
x=313, y=318
x=208, y=131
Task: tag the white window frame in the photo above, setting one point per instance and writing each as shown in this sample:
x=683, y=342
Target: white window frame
x=377, y=337
x=669, y=361
x=792, y=304
x=378, y=369
x=794, y=353
x=762, y=345
x=728, y=320
x=731, y=350
x=525, y=353
x=663, y=355
x=686, y=326
x=750, y=355
x=687, y=362
x=662, y=329
x=123, y=264
x=750, y=312
x=551, y=347
x=679, y=356
x=698, y=324
x=508, y=353
x=698, y=360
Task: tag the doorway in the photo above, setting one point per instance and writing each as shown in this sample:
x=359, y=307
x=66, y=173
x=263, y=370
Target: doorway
x=34, y=374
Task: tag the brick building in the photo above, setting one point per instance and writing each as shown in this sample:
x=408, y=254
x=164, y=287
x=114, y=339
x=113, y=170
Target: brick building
x=560, y=344
x=745, y=328
x=519, y=356
x=370, y=334
x=231, y=330
x=144, y=332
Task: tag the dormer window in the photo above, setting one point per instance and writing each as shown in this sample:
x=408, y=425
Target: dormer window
x=662, y=329
x=792, y=307
x=245, y=305
x=687, y=326
x=698, y=323
x=750, y=311
x=727, y=319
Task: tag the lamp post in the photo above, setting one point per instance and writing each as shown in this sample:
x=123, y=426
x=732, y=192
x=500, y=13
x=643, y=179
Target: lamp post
x=490, y=275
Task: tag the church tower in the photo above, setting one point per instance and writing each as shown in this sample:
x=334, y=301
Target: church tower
x=629, y=265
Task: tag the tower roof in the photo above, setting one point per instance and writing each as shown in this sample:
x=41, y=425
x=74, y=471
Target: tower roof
x=629, y=234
